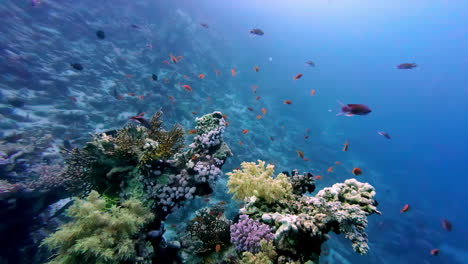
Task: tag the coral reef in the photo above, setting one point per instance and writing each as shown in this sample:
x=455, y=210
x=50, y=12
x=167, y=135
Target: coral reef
x=100, y=232
x=266, y=255
x=301, y=223
x=256, y=180
x=247, y=234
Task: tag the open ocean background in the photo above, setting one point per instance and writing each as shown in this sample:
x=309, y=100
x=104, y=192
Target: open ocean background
x=356, y=46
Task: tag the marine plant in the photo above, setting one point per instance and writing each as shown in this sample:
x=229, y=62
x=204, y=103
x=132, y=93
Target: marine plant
x=100, y=231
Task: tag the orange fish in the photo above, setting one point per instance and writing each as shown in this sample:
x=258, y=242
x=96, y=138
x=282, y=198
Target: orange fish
x=241, y=143
x=222, y=202
x=175, y=59
x=224, y=116
x=192, y=131
x=346, y=146
x=306, y=159
x=257, y=98
x=226, y=123
x=435, y=252
x=201, y=76
x=298, y=76
x=217, y=72
x=256, y=69
x=405, y=208
x=337, y=162
x=218, y=247
x=187, y=87
x=259, y=117
x=254, y=88
x=318, y=177
x=194, y=157
x=312, y=92
x=245, y=131
x=300, y=154
x=250, y=108
x=264, y=111
x=141, y=97
x=131, y=94
x=233, y=72
x=166, y=62
x=357, y=171
x=194, y=113
x=330, y=169
x=287, y=102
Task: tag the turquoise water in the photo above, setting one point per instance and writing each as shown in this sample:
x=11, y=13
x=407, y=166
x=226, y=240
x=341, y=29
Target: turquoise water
x=356, y=47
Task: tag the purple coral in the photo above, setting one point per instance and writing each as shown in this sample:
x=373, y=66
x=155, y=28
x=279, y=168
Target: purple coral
x=247, y=233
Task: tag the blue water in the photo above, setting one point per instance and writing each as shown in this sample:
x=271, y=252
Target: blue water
x=356, y=46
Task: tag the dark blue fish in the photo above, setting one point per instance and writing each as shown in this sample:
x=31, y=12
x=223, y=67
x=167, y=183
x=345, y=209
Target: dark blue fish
x=257, y=31
x=141, y=120
x=77, y=66
x=385, y=134
x=100, y=34
x=154, y=77
x=354, y=109
x=407, y=66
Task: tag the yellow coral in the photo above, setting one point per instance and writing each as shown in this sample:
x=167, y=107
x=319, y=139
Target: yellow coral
x=256, y=180
x=267, y=254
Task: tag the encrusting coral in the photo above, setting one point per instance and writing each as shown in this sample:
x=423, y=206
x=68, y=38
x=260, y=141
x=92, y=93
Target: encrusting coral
x=100, y=232
x=301, y=223
x=256, y=180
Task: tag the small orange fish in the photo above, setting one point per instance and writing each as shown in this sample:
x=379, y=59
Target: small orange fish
x=201, y=76
x=224, y=116
x=226, y=123
x=131, y=94
x=298, y=76
x=207, y=200
x=259, y=117
x=318, y=177
x=241, y=143
x=245, y=131
x=233, y=72
x=194, y=157
x=330, y=169
x=357, y=171
x=250, y=108
x=179, y=58
x=192, y=131
x=166, y=62
x=435, y=252
x=346, y=146
x=217, y=72
x=194, y=113
x=257, y=98
x=287, y=102
x=171, y=98
x=218, y=247
x=222, y=202
x=187, y=87
x=405, y=208
x=312, y=92
x=175, y=59
x=264, y=111
x=337, y=162
x=141, y=97
x=300, y=154
x=256, y=69
x=305, y=159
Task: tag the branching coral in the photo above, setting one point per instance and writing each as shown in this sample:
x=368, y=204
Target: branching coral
x=247, y=234
x=99, y=232
x=256, y=180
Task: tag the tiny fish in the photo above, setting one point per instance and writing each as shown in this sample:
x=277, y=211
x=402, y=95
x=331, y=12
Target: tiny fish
x=77, y=66
x=287, y=102
x=407, y=66
x=256, y=68
x=245, y=131
x=298, y=76
x=250, y=108
x=166, y=62
x=100, y=34
x=241, y=143
x=357, y=171
x=204, y=25
x=385, y=134
x=192, y=131
x=257, y=31
x=233, y=72
x=318, y=177
x=257, y=98
x=201, y=76
x=264, y=111
x=446, y=225
x=259, y=117
x=217, y=72
x=187, y=87
x=435, y=252
x=405, y=208
x=254, y=88
x=141, y=120
x=310, y=63
x=194, y=113
x=272, y=138
x=312, y=92
x=337, y=162
x=330, y=169
x=346, y=146
x=141, y=97
x=306, y=137
x=300, y=154
x=131, y=94
x=218, y=247
x=154, y=77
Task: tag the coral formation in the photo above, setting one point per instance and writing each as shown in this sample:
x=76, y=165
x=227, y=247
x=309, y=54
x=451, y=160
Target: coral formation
x=301, y=223
x=256, y=180
x=266, y=255
x=247, y=234
x=100, y=231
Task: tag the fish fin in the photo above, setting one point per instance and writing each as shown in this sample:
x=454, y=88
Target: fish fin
x=348, y=114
